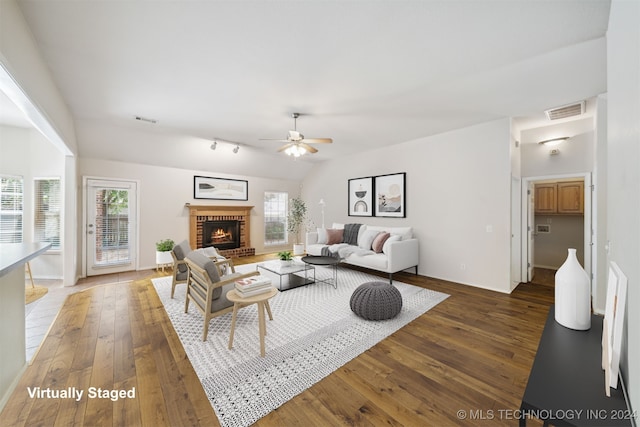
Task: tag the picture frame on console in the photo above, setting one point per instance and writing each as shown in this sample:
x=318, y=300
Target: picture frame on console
x=390, y=195
x=361, y=196
x=212, y=188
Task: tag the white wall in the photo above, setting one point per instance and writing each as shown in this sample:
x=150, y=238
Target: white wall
x=576, y=154
x=458, y=183
x=26, y=153
x=163, y=193
x=623, y=187
x=35, y=91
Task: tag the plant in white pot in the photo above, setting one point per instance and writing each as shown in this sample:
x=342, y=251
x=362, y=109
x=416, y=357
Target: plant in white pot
x=296, y=221
x=163, y=252
x=285, y=257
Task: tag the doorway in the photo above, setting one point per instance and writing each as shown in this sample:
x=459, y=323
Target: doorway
x=552, y=233
x=111, y=220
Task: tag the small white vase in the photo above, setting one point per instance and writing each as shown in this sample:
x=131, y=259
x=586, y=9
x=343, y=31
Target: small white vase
x=573, y=294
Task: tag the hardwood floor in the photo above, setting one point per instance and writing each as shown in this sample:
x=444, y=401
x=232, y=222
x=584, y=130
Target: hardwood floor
x=464, y=362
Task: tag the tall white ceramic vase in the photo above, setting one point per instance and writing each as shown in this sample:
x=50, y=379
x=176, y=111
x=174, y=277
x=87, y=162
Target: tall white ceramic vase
x=573, y=294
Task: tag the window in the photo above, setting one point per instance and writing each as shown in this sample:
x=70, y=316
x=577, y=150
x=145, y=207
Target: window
x=46, y=193
x=11, y=195
x=275, y=218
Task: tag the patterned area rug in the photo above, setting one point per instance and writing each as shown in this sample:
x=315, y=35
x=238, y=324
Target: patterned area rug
x=312, y=334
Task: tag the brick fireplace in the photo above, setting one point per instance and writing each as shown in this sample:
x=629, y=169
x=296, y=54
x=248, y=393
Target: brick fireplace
x=199, y=215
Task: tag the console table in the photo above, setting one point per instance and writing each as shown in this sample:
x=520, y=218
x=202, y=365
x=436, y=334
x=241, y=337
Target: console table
x=566, y=383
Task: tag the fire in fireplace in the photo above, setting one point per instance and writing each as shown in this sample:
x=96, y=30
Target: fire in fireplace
x=221, y=234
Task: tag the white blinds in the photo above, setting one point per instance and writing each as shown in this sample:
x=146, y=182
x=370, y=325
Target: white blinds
x=46, y=193
x=11, y=198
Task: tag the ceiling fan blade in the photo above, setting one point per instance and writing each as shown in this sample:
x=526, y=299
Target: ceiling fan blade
x=285, y=146
x=318, y=140
x=273, y=139
x=308, y=147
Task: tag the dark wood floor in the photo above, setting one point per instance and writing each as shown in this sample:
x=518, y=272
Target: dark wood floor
x=464, y=362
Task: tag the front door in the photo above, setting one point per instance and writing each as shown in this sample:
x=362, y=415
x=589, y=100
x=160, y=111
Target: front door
x=110, y=231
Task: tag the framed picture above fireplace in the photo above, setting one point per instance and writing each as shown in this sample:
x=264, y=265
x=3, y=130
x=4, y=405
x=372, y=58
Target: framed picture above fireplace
x=205, y=187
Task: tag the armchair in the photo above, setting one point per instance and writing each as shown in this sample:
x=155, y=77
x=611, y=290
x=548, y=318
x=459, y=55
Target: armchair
x=207, y=286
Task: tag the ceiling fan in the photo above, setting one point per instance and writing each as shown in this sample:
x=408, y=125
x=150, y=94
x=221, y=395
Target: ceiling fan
x=296, y=144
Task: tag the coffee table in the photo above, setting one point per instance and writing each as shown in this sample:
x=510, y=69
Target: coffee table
x=289, y=271
x=324, y=261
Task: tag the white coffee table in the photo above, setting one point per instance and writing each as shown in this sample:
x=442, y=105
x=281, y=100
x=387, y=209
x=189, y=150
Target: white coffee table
x=290, y=271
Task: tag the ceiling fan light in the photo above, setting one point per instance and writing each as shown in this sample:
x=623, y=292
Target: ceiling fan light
x=295, y=151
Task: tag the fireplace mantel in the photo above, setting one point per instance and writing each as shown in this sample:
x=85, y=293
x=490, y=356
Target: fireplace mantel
x=200, y=213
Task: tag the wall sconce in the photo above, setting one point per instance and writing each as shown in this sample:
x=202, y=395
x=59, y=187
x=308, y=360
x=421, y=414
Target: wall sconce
x=553, y=142
x=236, y=149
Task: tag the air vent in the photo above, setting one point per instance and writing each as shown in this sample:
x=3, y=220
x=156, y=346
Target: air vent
x=563, y=112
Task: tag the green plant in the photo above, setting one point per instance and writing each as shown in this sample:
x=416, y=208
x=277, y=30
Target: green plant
x=164, y=245
x=285, y=256
x=296, y=217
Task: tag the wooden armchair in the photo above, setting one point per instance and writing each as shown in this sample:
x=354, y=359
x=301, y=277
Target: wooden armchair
x=207, y=286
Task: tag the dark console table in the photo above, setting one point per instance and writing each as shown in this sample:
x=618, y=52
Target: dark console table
x=566, y=384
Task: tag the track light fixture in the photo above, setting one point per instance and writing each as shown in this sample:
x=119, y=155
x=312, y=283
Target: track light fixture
x=236, y=149
x=214, y=145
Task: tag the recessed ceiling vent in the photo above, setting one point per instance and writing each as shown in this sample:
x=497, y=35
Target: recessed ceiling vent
x=565, y=111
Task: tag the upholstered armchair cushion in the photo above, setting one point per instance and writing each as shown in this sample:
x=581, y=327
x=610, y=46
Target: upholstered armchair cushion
x=180, y=251
x=210, y=267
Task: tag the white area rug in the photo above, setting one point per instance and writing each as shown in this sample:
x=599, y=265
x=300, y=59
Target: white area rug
x=312, y=334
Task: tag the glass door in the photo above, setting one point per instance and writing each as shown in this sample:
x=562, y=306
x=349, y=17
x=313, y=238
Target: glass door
x=111, y=226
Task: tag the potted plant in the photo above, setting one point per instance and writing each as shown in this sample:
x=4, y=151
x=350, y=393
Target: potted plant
x=296, y=222
x=163, y=252
x=285, y=257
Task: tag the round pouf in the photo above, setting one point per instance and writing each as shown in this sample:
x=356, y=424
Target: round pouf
x=376, y=301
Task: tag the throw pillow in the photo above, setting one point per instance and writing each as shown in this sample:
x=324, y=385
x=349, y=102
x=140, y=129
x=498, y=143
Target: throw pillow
x=391, y=239
x=322, y=236
x=334, y=236
x=379, y=241
x=367, y=239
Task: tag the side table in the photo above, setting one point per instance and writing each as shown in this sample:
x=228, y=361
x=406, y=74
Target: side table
x=263, y=304
x=326, y=261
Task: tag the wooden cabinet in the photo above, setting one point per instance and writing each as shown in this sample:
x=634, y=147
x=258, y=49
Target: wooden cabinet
x=560, y=198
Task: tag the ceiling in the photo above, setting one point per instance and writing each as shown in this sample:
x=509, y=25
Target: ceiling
x=365, y=73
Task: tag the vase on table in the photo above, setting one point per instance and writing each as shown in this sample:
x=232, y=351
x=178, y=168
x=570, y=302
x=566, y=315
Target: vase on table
x=573, y=294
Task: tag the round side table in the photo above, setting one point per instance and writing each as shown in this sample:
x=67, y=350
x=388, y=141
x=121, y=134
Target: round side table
x=263, y=304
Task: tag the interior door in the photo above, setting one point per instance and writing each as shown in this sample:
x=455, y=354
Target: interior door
x=110, y=231
x=531, y=229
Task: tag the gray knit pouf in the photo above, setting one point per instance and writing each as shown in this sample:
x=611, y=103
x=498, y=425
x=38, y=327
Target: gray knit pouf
x=376, y=301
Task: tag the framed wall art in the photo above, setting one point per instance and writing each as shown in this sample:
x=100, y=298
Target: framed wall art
x=361, y=197
x=613, y=325
x=390, y=195
x=220, y=188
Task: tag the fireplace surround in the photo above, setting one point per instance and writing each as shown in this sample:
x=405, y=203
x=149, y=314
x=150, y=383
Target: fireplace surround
x=199, y=215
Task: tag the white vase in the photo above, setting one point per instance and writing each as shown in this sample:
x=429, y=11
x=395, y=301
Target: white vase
x=573, y=294
x=298, y=249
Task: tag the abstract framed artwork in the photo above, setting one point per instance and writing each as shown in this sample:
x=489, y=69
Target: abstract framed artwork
x=205, y=187
x=361, y=196
x=390, y=195
x=613, y=325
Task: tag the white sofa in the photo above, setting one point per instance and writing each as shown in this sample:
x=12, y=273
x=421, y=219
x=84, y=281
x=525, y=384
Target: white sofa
x=400, y=251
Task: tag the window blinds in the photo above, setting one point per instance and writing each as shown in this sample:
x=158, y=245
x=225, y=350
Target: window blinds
x=47, y=211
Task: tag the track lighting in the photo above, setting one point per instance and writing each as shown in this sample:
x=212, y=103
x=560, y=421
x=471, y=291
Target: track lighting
x=214, y=145
x=236, y=149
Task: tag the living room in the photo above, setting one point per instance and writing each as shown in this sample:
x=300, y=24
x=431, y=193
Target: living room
x=459, y=181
